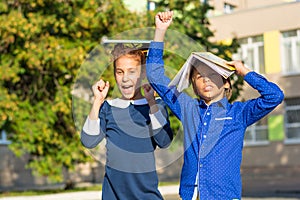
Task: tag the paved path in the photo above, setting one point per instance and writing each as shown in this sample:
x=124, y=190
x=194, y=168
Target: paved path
x=169, y=193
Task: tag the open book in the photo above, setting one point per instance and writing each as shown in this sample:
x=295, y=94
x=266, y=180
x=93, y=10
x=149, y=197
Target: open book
x=181, y=80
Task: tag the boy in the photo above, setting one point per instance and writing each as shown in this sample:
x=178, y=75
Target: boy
x=213, y=128
x=133, y=125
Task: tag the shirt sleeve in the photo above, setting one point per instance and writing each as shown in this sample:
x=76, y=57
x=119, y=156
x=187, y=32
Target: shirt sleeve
x=176, y=101
x=158, y=120
x=91, y=127
x=162, y=132
x=270, y=97
x=93, y=131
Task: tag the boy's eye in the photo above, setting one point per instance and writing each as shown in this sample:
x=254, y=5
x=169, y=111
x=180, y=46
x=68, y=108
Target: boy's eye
x=198, y=76
x=132, y=72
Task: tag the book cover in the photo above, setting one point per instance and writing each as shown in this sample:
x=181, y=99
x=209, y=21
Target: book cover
x=181, y=80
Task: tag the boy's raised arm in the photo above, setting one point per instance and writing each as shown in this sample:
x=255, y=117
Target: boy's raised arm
x=162, y=22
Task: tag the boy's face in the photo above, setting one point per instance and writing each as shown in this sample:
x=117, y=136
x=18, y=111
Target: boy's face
x=128, y=76
x=208, y=84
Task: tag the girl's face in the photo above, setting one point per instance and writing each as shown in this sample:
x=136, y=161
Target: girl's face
x=208, y=84
x=128, y=75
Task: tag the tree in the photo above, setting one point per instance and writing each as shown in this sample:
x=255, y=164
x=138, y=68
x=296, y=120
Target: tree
x=42, y=46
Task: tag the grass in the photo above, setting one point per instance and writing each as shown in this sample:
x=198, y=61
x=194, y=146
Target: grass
x=90, y=187
x=96, y=187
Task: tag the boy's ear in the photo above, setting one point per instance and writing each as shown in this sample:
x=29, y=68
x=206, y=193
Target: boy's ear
x=227, y=84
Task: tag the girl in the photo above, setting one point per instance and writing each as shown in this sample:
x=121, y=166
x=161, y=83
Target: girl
x=133, y=125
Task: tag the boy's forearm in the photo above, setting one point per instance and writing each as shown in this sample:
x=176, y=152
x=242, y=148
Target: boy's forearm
x=159, y=35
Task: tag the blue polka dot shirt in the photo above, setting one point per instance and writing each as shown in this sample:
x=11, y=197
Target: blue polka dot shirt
x=213, y=135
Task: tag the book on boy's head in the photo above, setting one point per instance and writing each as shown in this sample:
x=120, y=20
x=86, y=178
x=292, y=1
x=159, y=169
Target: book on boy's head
x=182, y=78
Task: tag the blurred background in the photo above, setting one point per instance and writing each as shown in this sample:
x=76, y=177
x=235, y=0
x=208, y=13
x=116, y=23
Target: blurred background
x=45, y=45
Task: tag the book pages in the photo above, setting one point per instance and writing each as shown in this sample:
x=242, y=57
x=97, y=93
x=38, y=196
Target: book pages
x=181, y=80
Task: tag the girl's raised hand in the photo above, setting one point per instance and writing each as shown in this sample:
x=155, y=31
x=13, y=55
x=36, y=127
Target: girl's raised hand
x=149, y=92
x=100, y=89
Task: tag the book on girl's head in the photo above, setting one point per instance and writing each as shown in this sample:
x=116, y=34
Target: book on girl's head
x=181, y=80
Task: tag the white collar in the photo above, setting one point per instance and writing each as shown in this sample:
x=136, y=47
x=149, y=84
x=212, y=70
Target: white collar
x=122, y=103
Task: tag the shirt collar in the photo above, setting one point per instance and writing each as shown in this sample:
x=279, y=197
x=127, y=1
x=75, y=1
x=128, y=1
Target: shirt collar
x=122, y=103
x=222, y=103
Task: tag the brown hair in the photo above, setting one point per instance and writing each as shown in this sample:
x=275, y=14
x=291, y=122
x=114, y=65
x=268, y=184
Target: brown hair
x=228, y=91
x=130, y=50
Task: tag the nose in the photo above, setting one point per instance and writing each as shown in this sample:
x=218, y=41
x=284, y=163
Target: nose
x=125, y=77
x=206, y=79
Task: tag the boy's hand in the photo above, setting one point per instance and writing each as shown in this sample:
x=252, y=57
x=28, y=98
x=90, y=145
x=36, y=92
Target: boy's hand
x=240, y=68
x=100, y=90
x=163, y=20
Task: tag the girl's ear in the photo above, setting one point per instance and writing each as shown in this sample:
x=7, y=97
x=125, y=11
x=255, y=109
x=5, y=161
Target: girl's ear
x=143, y=75
x=143, y=72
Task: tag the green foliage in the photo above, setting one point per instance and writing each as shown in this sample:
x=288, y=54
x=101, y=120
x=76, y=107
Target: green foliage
x=42, y=46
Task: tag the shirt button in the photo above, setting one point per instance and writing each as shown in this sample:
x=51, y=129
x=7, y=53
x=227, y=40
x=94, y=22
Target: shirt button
x=205, y=123
x=200, y=165
x=204, y=136
x=208, y=113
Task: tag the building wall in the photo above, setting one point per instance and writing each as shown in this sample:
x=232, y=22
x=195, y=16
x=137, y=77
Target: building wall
x=136, y=6
x=14, y=175
x=256, y=21
x=273, y=166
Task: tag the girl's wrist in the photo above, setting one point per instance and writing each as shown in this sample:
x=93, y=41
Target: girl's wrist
x=151, y=102
x=98, y=101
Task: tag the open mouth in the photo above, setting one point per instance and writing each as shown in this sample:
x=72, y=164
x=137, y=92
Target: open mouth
x=127, y=88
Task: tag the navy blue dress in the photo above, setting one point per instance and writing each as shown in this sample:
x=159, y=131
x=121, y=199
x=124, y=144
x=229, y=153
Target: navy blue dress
x=130, y=171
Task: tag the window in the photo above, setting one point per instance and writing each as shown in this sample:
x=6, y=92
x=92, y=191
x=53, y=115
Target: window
x=151, y=5
x=257, y=133
x=292, y=119
x=3, y=137
x=291, y=52
x=251, y=51
x=228, y=8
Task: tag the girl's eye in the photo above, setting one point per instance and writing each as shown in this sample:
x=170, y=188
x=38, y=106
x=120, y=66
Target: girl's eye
x=119, y=72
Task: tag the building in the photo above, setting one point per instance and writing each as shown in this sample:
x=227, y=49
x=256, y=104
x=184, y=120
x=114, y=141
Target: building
x=269, y=35
x=140, y=5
